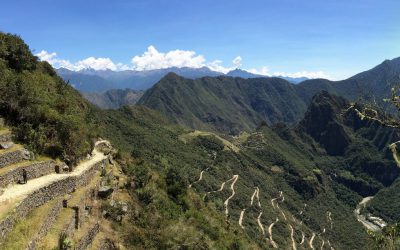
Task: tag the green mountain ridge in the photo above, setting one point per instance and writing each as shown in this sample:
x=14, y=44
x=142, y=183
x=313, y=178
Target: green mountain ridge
x=187, y=189
x=230, y=105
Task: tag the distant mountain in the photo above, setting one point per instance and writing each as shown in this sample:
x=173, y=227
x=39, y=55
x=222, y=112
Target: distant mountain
x=114, y=98
x=230, y=104
x=95, y=81
x=372, y=85
x=89, y=80
x=245, y=74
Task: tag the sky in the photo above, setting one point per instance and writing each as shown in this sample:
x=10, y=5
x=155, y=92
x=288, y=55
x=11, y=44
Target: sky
x=333, y=39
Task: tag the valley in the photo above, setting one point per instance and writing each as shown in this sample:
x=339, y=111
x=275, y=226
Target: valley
x=217, y=162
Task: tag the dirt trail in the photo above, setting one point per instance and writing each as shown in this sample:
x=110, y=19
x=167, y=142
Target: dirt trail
x=257, y=195
x=270, y=233
x=277, y=205
x=226, y=202
x=303, y=237
x=361, y=218
x=254, y=195
x=216, y=191
x=241, y=218
x=329, y=219
x=292, y=237
x=393, y=148
x=260, y=224
x=200, y=178
x=20, y=191
x=312, y=241
x=329, y=244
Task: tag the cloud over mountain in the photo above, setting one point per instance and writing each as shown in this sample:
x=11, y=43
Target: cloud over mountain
x=153, y=59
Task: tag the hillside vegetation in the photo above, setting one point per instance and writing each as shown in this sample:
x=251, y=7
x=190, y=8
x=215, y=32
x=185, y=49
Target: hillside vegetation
x=232, y=104
x=271, y=159
x=274, y=186
x=44, y=112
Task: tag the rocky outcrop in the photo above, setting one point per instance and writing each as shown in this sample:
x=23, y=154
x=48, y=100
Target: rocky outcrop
x=33, y=170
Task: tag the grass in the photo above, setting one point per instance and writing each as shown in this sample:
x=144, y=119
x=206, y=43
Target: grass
x=26, y=228
x=4, y=130
x=13, y=148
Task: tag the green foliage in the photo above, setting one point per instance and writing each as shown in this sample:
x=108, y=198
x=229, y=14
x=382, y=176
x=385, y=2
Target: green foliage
x=15, y=53
x=176, y=185
x=64, y=243
x=210, y=143
x=388, y=239
x=46, y=113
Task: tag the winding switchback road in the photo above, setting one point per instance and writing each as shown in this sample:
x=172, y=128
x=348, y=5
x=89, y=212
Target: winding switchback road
x=226, y=202
x=270, y=233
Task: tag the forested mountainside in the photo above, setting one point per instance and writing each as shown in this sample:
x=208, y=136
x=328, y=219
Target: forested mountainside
x=114, y=98
x=44, y=111
x=229, y=105
x=224, y=103
x=98, y=81
x=253, y=168
x=274, y=186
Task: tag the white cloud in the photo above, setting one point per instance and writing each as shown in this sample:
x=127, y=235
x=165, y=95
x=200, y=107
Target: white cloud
x=309, y=74
x=217, y=66
x=237, y=62
x=90, y=62
x=263, y=71
x=152, y=59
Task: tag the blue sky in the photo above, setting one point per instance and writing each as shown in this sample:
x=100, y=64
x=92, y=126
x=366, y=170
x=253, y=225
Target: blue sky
x=334, y=38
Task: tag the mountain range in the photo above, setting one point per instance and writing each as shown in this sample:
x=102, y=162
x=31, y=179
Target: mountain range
x=228, y=104
x=275, y=165
x=96, y=81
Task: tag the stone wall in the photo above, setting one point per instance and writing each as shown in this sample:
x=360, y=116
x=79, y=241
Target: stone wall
x=34, y=170
x=45, y=194
x=88, y=238
x=46, y=225
x=12, y=157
